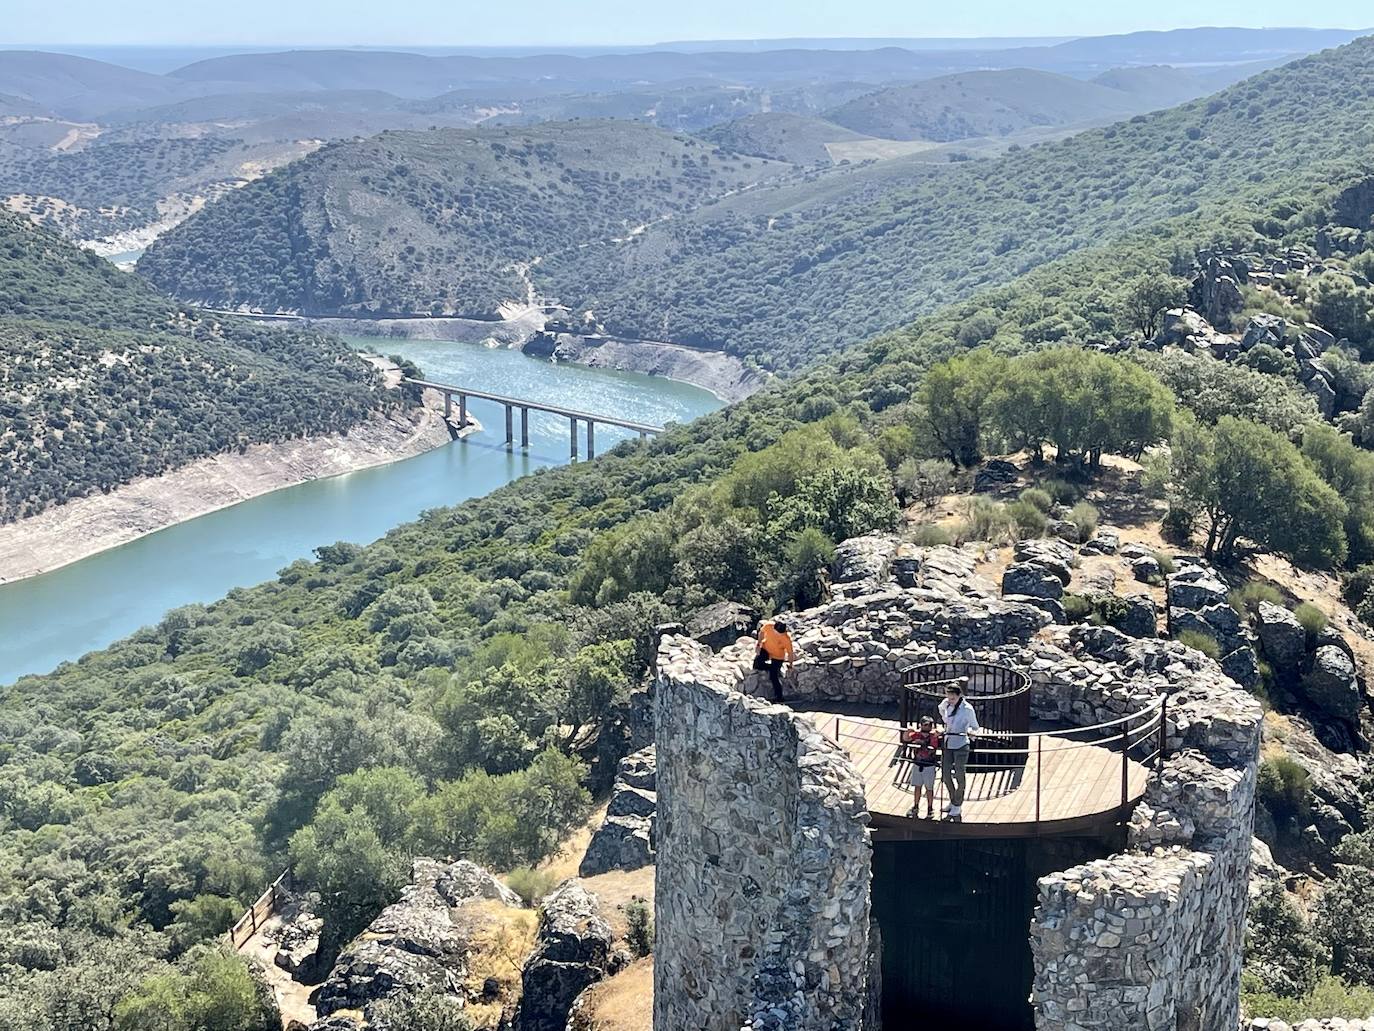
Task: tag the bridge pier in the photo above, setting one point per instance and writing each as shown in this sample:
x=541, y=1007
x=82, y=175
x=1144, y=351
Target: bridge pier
x=510, y=436
x=591, y=439
x=448, y=405
x=572, y=434
x=463, y=411
x=524, y=427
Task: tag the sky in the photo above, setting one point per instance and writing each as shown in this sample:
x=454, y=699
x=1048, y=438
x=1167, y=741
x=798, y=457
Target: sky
x=623, y=22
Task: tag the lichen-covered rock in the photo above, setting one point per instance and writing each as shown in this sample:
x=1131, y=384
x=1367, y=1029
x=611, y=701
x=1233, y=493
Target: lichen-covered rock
x=625, y=839
x=572, y=950
x=1141, y=618
x=1026, y=578
x=1331, y=685
x=1196, y=587
x=414, y=944
x=1105, y=542
x=1281, y=635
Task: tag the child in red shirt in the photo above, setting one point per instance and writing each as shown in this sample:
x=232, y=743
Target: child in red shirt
x=923, y=746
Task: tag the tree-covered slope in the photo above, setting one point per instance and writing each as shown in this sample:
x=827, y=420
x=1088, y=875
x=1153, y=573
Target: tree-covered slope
x=155, y=784
x=993, y=103
x=436, y=222
x=103, y=380
x=797, y=139
x=788, y=272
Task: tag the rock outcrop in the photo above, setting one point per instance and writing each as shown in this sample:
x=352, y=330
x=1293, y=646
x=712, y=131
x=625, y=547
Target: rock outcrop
x=572, y=950
x=1331, y=685
x=415, y=944
x=625, y=840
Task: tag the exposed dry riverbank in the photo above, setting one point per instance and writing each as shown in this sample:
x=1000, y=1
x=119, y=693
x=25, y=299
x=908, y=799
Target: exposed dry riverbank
x=81, y=528
x=722, y=374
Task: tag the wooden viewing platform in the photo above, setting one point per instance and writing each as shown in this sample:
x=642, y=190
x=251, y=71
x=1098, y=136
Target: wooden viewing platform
x=1075, y=780
x=451, y=390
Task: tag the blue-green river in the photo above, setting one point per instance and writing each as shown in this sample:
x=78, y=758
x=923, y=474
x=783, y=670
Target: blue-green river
x=62, y=615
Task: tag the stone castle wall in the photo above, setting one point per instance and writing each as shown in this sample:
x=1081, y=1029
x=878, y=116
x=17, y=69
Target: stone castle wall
x=1152, y=939
x=763, y=866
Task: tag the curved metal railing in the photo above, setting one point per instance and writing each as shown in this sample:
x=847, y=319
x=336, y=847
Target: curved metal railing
x=999, y=694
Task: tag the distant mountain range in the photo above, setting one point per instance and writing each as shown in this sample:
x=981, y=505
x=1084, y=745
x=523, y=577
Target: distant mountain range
x=79, y=87
x=115, y=155
x=798, y=263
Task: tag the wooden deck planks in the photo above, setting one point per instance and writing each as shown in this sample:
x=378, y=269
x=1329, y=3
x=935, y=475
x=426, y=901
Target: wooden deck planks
x=1075, y=781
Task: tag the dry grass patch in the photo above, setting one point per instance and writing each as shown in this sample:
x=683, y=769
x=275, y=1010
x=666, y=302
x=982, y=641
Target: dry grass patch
x=621, y=1003
x=499, y=939
x=617, y=889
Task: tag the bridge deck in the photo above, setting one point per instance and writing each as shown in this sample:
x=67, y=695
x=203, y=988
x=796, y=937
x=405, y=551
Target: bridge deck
x=1078, y=786
x=538, y=406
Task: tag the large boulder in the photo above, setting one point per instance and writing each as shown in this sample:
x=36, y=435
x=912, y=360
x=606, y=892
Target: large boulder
x=1331, y=684
x=1281, y=636
x=415, y=944
x=1215, y=292
x=1031, y=579
x=1324, y=394
x=994, y=476
x=862, y=564
x=1242, y=665
x=572, y=950
x=625, y=839
x=1052, y=607
x=1140, y=618
x=1146, y=569
x=721, y=625
x=1264, y=329
x=1196, y=587
x=1105, y=542
x=1053, y=555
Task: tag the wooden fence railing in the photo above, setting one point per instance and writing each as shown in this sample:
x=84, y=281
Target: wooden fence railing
x=260, y=911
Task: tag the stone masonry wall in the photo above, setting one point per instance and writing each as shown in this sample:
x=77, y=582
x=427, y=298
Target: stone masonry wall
x=762, y=897
x=1152, y=939
x=763, y=866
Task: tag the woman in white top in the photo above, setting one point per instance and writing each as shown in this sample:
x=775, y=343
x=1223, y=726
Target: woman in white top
x=960, y=723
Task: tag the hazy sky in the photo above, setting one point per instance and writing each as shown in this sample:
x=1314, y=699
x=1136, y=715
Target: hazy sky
x=470, y=23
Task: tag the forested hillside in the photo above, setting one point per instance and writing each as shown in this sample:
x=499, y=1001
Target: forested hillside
x=794, y=271
x=997, y=103
x=109, y=187
x=103, y=380
x=437, y=222
x=798, y=139
x=437, y=691
x=782, y=272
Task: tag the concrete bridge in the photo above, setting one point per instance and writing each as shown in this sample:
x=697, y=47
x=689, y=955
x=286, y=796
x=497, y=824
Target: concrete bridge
x=450, y=391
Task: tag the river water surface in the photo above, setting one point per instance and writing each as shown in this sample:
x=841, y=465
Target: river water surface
x=62, y=615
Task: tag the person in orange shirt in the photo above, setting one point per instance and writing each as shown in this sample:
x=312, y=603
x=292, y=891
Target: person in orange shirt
x=775, y=648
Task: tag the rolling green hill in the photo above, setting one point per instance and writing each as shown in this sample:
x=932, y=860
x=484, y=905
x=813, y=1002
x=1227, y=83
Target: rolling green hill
x=782, y=272
x=790, y=271
x=436, y=222
x=796, y=139
x=156, y=784
x=994, y=103
x=102, y=380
